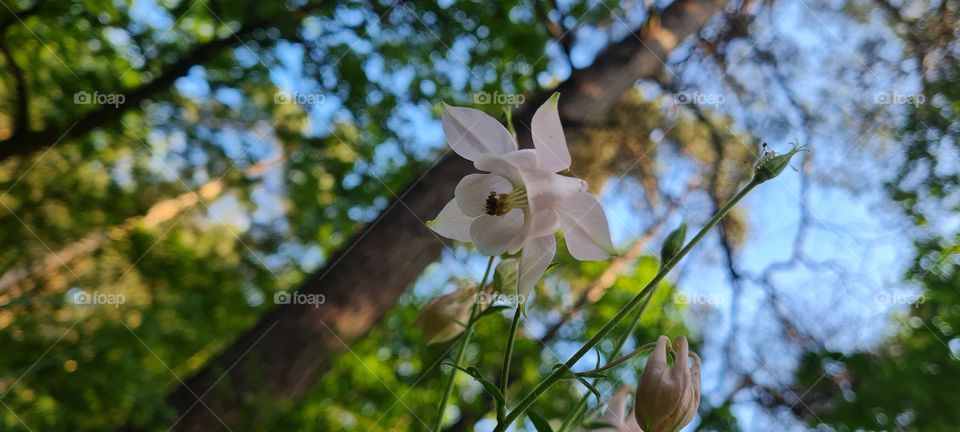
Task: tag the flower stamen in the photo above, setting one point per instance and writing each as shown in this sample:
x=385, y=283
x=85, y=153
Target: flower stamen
x=499, y=204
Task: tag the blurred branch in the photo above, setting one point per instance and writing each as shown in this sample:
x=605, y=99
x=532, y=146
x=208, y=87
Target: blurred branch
x=18, y=17
x=21, y=119
x=24, y=142
x=555, y=29
x=159, y=213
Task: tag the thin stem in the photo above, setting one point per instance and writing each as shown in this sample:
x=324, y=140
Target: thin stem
x=633, y=326
x=557, y=374
x=467, y=334
x=507, y=356
x=617, y=347
x=618, y=361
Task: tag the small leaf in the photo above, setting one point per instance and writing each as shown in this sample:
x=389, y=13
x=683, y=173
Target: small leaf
x=673, y=243
x=505, y=276
x=539, y=422
x=477, y=375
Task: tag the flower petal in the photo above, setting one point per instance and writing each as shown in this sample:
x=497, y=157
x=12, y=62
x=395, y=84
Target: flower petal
x=616, y=412
x=472, y=133
x=494, y=235
x=534, y=259
x=472, y=192
x=548, y=139
x=585, y=227
x=508, y=165
x=545, y=191
x=452, y=223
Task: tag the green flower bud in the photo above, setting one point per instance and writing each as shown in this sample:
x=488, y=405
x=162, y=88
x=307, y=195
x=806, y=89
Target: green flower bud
x=770, y=165
x=673, y=243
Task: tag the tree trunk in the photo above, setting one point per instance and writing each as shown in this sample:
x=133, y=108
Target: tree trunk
x=292, y=346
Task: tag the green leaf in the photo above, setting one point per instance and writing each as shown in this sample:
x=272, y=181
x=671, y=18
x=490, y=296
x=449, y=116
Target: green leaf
x=477, y=375
x=539, y=422
x=505, y=276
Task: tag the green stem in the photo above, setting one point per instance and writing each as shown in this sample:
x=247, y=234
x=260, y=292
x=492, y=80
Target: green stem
x=507, y=356
x=467, y=334
x=528, y=400
x=616, y=350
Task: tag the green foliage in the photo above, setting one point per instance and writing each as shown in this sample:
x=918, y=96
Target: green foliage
x=904, y=384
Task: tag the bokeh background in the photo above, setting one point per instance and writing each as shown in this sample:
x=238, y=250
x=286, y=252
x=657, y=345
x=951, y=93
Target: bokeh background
x=167, y=168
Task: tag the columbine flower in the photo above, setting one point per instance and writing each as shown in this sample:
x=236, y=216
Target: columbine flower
x=617, y=416
x=521, y=200
x=668, y=396
x=445, y=316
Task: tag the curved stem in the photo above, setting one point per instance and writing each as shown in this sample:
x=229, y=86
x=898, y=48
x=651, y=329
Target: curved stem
x=557, y=374
x=507, y=356
x=467, y=334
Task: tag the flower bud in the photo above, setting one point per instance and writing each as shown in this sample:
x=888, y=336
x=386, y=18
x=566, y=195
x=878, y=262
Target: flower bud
x=770, y=165
x=672, y=244
x=445, y=316
x=668, y=396
x=617, y=418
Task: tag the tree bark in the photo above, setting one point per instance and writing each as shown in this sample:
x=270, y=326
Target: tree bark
x=293, y=345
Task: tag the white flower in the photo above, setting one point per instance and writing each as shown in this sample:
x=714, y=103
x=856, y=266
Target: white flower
x=668, y=396
x=520, y=200
x=616, y=414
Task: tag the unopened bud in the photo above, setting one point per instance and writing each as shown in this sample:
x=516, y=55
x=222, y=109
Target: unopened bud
x=445, y=316
x=673, y=244
x=770, y=165
x=668, y=396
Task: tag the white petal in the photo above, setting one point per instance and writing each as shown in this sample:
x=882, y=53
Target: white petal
x=545, y=192
x=585, y=227
x=472, y=192
x=472, y=133
x=508, y=165
x=494, y=235
x=552, y=153
x=616, y=411
x=452, y=223
x=534, y=260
